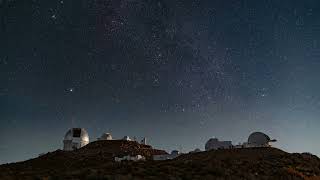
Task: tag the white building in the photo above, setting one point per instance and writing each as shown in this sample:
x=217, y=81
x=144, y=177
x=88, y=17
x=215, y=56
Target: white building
x=163, y=157
x=105, y=136
x=75, y=138
x=126, y=138
x=130, y=158
x=259, y=139
x=214, y=144
x=144, y=141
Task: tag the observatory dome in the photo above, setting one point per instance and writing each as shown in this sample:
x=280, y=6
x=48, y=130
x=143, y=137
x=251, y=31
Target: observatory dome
x=75, y=138
x=259, y=139
x=126, y=138
x=214, y=143
x=105, y=136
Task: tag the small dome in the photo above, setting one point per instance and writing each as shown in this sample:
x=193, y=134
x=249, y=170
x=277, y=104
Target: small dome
x=197, y=150
x=106, y=136
x=259, y=139
x=75, y=138
x=175, y=152
x=127, y=138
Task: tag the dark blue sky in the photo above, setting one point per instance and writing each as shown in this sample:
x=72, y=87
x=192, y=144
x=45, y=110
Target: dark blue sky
x=177, y=72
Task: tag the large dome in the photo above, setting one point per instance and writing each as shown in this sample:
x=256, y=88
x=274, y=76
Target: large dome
x=75, y=138
x=259, y=139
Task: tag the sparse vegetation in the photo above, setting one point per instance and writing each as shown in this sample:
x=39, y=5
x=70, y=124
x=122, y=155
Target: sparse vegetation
x=86, y=163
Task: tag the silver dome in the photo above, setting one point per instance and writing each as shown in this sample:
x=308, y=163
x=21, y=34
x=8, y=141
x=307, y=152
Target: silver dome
x=106, y=136
x=259, y=139
x=75, y=138
x=77, y=133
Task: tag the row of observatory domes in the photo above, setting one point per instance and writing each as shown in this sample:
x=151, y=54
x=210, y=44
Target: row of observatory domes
x=76, y=138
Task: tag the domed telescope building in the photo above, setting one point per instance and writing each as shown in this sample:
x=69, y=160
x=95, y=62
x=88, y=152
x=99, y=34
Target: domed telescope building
x=214, y=144
x=126, y=138
x=259, y=139
x=75, y=138
x=105, y=136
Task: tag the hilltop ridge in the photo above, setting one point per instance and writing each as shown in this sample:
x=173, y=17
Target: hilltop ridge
x=95, y=161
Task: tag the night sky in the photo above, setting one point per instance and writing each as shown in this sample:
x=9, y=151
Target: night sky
x=175, y=71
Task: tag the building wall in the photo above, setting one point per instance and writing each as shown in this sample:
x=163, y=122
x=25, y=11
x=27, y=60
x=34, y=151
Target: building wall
x=76, y=143
x=214, y=144
x=67, y=145
x=164, y=157
x=130, y=158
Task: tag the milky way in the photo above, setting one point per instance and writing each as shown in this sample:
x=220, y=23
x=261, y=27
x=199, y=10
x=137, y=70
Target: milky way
x=177, y=72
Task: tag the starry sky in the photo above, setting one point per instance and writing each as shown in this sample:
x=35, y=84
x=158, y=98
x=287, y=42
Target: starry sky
x=175, y=71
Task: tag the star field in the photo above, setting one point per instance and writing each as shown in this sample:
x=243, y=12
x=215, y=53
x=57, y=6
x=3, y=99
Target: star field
x=177, y=72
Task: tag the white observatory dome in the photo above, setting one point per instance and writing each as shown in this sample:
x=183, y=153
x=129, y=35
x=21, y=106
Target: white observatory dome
x=259, y=139
x=126, y=138
x=105, y=136
x=75, y=138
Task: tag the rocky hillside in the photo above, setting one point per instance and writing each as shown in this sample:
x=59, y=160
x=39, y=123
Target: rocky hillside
x=92, y=156
x=94, y=162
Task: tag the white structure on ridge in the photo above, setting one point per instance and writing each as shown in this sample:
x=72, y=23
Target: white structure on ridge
x=163, y=157
x=105, y=136
x=259, y=139
x=126, y=138
x=214, y=144
x=75, y=138
x=130, y=158
x=144, y=141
